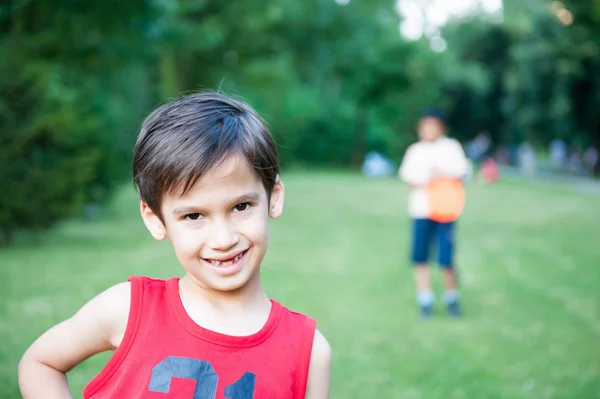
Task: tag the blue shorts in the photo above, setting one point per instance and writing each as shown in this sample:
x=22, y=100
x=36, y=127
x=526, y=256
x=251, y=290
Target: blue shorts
x=424, y=232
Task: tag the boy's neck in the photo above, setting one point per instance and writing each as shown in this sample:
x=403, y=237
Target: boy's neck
x=239, y=313
x=251, y=295
x=441, y=136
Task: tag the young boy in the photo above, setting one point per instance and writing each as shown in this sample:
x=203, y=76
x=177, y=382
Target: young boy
x=434, y=156
x=207, y=172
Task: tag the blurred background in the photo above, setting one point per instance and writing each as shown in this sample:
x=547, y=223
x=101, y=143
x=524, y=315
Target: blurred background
x=341, y=84
x=334, y=79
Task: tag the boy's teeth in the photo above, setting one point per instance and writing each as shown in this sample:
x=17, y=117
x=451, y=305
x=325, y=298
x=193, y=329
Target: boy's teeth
x=227, y=262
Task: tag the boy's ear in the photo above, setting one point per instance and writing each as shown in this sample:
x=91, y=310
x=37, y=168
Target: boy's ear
x=276, y=203
x=152, y=222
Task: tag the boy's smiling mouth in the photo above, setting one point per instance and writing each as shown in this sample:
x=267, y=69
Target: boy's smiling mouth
x=225, y=261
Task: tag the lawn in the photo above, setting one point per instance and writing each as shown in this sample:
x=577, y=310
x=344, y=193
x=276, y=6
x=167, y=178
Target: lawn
x=529, y=258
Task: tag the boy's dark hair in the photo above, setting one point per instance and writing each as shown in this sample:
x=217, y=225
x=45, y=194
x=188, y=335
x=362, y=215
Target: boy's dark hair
x=183, y=139
x=435, y=113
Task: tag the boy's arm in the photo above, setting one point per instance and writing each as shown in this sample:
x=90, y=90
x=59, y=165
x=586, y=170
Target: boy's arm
x=412, y=170
x=319, y=371
x=97, y=327
x=456, y=164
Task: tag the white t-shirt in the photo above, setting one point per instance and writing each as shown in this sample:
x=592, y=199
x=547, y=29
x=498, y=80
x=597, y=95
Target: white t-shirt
x=445, y=155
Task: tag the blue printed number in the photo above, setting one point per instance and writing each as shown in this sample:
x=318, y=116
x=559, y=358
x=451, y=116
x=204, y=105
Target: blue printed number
x=242, y=388
x=204, y=375
x=182, y=367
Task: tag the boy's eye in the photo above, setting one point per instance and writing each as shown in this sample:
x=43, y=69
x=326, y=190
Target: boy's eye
x=244, y=206
x=192, y=216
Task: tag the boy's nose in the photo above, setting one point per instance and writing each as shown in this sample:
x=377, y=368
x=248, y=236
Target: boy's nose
x=223, y=236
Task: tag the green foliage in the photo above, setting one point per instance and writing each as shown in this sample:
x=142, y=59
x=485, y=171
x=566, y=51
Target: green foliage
x=532, y=78
x=48, y=155
x=333, y=82
x=70, y=103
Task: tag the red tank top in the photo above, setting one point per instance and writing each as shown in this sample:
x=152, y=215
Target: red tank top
x=164, y=354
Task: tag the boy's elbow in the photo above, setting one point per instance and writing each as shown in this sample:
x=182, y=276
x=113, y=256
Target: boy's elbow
x=26, y=373
x=26, y=368
x=39, y=380
x=21, y=367
x=26, y=363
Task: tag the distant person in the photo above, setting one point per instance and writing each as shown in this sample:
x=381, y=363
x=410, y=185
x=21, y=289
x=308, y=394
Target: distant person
x=482, y=144
x=434, y=158
x=574, y=162
x=590, y=160
x=527, y=159
x=503, y=156
x=376, y=165
x=207, y=173
x=558, y=154
x=489, y=172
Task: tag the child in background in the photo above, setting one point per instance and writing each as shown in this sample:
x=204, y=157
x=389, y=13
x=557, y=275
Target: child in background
x=489, y=172
x=207, y=173
x=434, y=156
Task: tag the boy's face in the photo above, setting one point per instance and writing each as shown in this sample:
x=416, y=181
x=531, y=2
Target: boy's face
x=219, y=229
x=430, y=129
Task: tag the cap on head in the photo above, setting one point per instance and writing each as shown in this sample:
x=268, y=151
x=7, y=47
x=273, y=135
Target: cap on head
x=183, y=139
x=435, y=113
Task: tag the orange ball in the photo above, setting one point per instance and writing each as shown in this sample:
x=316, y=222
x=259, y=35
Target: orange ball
x=446, y=196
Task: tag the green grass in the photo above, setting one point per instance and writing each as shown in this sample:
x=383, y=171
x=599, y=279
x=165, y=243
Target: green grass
x=530, y=271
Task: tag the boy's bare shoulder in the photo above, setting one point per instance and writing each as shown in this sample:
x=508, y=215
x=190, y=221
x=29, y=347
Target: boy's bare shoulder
x=321, y=349
x=115, y=295
x=97, y=326
x=112, y=298
x=319, y=371
x=107, y=314
x=112, y=308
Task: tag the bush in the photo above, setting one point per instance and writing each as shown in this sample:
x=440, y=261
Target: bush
x=48, y=152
